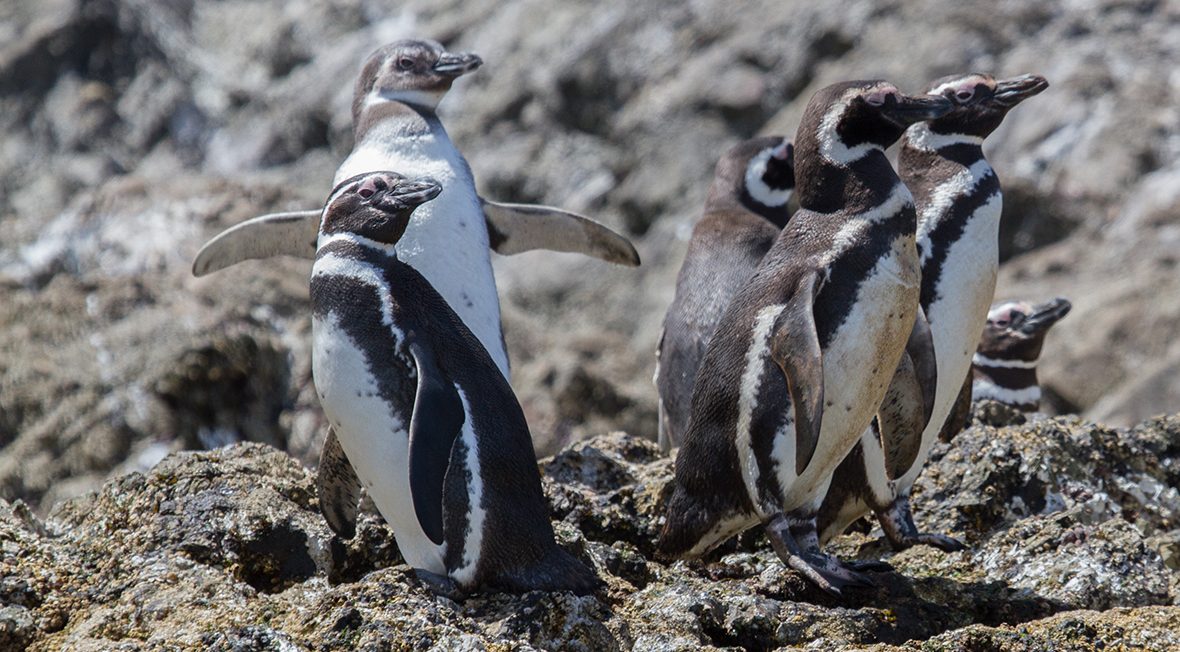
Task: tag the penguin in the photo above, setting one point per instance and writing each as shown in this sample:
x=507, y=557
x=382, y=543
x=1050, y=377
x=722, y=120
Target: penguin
x=744, y=211
x=958, y=198
x=1004, y=367
x=420, y=408
x=801, y=358
x=396, y=127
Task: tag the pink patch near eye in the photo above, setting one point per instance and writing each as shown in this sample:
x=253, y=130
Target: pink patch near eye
x=878, y=97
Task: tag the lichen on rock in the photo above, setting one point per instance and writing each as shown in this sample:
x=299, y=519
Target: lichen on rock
x=227, y=550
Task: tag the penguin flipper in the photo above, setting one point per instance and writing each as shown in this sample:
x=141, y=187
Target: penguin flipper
x=795, y=349
x=901, y=419
x=920, y=349
x=516, y=228
x=265, y=236
x=338, y=488
x=435, y=424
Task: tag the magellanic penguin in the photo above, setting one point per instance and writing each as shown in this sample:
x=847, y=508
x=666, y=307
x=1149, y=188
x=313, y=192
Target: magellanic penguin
x=1004, y=367
x=958, y=198
x=802, y=356
x=744, y=211
x=420, y=408
x=396, y=128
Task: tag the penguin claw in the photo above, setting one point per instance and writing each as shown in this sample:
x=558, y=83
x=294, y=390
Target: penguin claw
x=898, y=523
x=940, y=541
x=870, y=566
x=822, y=570
x=829, y=574
x=440, y=585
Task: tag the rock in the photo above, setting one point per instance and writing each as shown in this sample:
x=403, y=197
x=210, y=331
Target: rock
x=135, y=130
x=227, y=549
x=990, y=476
x=1149, y=628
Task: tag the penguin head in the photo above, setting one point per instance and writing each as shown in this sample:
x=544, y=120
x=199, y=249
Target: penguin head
x=1015, y=330
x=376, y=205
x=414, y=71
x=981, y=101
x=758, y=173
x=845, y=121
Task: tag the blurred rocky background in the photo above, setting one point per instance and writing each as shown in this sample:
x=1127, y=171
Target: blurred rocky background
x=135, y=129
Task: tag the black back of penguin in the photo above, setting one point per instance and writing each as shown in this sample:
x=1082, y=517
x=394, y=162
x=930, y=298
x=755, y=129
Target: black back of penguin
x=746, y=208
x=517, y=551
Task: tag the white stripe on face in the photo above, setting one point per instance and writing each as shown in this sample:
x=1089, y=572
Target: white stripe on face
x=762, y=193
x=921, y=137
x=831, y=146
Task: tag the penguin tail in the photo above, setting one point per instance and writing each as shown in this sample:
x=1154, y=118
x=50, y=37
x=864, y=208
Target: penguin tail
x=556, y=570
x=691, y=527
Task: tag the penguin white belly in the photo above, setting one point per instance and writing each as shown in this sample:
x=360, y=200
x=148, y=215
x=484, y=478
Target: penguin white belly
x=374, y=436
x=858, y=365
x=965, y=291
x=447, y=238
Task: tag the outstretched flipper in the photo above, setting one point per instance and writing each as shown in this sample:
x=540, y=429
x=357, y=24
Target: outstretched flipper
x=515, y=228
x=276, y=234
x=920, y=349
x=338, y=488
x=512, y=228
x=795, y=349
x=437, y=420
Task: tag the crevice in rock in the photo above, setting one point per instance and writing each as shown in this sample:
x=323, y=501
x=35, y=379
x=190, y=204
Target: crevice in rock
x=275, y=558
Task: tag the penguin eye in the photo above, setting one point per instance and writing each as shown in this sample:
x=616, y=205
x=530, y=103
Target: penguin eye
x=964, y=95
x=405, y=63
x=365, y=192
x=1001, y=322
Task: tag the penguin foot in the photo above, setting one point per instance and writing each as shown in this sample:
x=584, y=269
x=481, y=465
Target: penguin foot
x=440, y=585
x=940, y=541
x=822, y=570
x=870, y=566
x=898, y=523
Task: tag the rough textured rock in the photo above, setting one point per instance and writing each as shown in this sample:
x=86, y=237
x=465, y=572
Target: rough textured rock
x=135, y=129
x=226, y=550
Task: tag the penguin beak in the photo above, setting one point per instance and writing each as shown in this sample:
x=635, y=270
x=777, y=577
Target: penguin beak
x=1044, y=315
x=908, y=109
x=410, y=194
x=1010, y=92
x=452, y=64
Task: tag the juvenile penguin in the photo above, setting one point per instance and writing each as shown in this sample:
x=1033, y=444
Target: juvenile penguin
x=1005, y=364
x=420, y=408
x=958, y=198
x=744, y=211
x=396, y=128
x=802, y=356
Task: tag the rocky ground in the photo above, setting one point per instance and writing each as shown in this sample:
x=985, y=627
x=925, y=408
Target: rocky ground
x=1071, y=526
x=135, y=129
